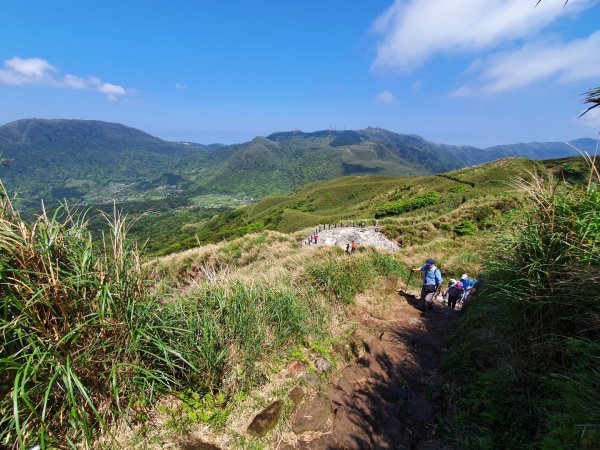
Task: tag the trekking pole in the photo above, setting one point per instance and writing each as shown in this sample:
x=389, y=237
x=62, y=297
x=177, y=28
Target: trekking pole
x=408, y=281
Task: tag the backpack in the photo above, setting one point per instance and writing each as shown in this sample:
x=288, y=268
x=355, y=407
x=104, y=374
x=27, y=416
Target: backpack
x=436, y=270
x=456, y=289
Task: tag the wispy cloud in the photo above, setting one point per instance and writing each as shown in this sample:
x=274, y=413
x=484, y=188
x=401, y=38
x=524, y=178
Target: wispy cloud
x=36, y=71
x=413, y=31
x=462, y=92
x=385, y=97
x=74, y=82
x=563, y=62
x=180, y=87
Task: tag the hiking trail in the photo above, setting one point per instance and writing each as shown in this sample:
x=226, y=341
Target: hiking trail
x=385, y=395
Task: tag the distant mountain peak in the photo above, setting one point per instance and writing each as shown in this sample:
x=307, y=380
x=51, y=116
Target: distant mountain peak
x=98, y=161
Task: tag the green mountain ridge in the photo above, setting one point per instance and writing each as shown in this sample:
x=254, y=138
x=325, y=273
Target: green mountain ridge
x=96, y=162
x=91, y=160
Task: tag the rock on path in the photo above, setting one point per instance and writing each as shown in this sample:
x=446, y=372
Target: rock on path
x=367, y=237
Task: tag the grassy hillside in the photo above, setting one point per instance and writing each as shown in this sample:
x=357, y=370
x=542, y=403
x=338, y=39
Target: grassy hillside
x=477, y=195
x=284, y=161
x=462, y=202
x=93, y=162
x=92, y=341
x=524, y=365
x=97, y=162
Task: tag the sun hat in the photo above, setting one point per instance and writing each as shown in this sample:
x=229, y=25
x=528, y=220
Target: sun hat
x=464, y=276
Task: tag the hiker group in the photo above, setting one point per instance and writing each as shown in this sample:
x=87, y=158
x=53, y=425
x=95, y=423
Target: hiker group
x=312, y=239
x=457, y=291
x=351, y=247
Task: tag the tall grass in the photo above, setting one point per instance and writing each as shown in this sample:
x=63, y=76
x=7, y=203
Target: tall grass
x=527, y=354
x=83, y=343
x=551, y=268
x=80, y=343
x=342, y=278
x=239, y=323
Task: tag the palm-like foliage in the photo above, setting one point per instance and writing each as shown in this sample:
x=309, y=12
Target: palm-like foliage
x=592, y=97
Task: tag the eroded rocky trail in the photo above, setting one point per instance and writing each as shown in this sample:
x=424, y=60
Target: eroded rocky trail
x=388, y=395
x=385, y=394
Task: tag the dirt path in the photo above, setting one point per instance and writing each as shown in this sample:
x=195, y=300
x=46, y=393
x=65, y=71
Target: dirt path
x=388, y=394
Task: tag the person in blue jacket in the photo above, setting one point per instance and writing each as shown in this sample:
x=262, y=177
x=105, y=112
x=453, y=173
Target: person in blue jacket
x=466, y=282
x=432, y=282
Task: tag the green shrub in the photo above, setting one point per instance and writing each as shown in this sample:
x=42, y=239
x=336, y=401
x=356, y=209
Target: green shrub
x=341, y=279
x=465, y=228
x=459, y=188
x=402, y=206
x=386, y=264
x=445, y=226
x=480, y=213
x=248, y=321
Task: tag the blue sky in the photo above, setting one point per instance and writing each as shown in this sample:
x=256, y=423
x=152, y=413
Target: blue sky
x=478, y=72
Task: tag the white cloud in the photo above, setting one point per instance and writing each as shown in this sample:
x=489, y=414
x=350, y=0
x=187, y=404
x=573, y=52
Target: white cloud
x=111, y=89
x=564, y=62
x=181, y=87
x=415, y=30
x=385, y=97
x=32, y=67
x=21, y=71
x=461, y=92
x=74, y=82
x=94, y=80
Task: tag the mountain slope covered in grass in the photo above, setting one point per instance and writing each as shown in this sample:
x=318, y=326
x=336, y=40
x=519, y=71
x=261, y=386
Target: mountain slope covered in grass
x=524, y=359
x=94, y=161
x=203, y=340
x=472, y=198
x=97, y=162
x=384, y=198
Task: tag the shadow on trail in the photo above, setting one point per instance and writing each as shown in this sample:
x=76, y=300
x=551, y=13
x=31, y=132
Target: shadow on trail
x=390, y=397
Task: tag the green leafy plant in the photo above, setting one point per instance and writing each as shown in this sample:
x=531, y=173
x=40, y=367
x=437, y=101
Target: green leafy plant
x=410, y=204
x=342, y=279
x=465, y=228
